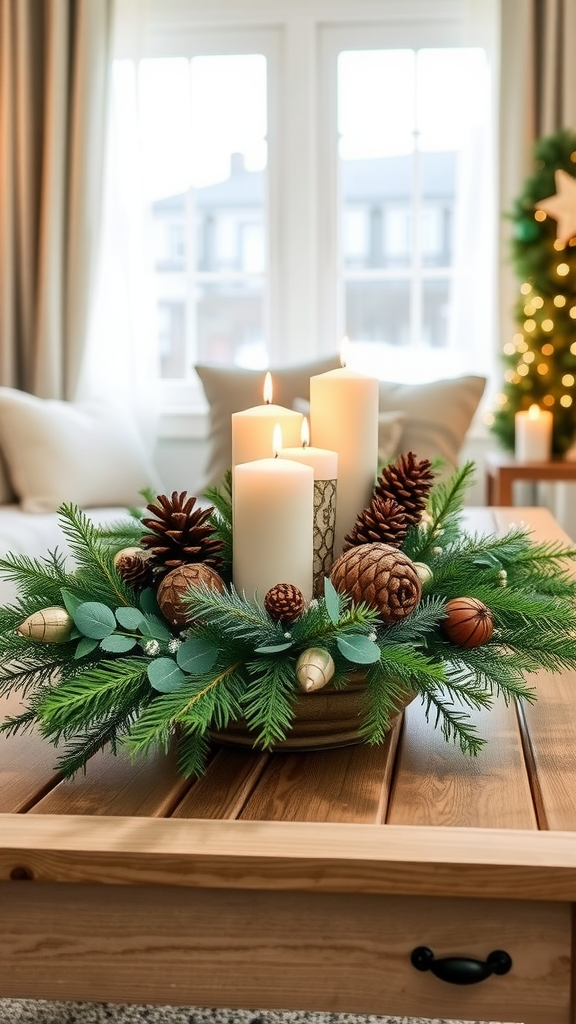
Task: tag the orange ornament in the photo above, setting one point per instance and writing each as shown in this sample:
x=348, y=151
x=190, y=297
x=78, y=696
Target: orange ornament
x=468, y=622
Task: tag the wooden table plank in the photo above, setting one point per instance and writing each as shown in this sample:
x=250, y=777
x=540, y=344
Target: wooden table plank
x=224, y=789
x=349, y=784
x=115, y=785
x=26, y=763
x=436, y=784
x=551, y=736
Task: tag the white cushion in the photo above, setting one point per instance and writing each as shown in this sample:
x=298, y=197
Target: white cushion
x=85, y=454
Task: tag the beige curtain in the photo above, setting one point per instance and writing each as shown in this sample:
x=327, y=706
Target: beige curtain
x=54, y=58
x=554, y=84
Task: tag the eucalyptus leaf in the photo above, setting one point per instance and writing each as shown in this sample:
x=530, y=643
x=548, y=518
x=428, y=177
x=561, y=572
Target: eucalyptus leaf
x=85, y=646
x=332, y=601
x=117, y=643
x=274, y=648
x=148, y=601
x=358, y=648
x=94, y=619
x=130, y=618
x=165, y=675
x=71, y=602
x=196, y=656
x=154, y=627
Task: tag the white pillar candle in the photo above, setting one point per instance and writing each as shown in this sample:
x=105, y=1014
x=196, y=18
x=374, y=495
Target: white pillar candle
x=533, y=435
x=252, y=429
x=272, y=524
x=344, y=418
x=323, y=461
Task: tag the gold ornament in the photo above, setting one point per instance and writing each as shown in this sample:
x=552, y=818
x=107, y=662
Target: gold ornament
x=381, y=576
x=51, y=625
x=314, y=669
x=562, y=206
x=177, y=583
x=424, y=572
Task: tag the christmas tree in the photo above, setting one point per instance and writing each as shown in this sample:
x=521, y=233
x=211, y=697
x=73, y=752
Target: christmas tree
x=540, y=358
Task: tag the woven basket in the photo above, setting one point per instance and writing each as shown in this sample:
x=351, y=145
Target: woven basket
x=323, y=718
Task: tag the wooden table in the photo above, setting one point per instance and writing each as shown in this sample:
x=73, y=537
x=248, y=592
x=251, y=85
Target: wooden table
x=503, y=470
x=303, y=881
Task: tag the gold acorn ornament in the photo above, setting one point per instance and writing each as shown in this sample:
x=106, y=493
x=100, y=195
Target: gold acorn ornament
x=381, y=577
x=284, y=602
x=468, y=622
x=177, y=583
x=314, y=669
x=133, y=565
x=425, y=573
x=51, y=625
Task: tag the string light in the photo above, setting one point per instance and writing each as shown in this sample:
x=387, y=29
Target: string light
x=539, y=215
x=566, y=401
x=517, y=338
x=573, y=312
x=501, y=399
x=529, y=357
x=509, y=349
x=562, y=269
x=526, y=288
x=547, y=325
x=568, y=380
x=559, y=300
x=522, y=369
x=488, y=419
x=529, y=325
x=542, y=368
x=510, y=376
x=522, y=346
x=548, y=399
x=573, y=348
x=538, y=302
x=558, y=245
x=547, y=349
x=529, y=308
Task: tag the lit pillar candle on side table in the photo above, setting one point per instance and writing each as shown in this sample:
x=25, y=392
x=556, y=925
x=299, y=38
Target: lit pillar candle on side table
x=344, y=418
x=533, y=435
x=272, y=525
x=253, y=429
x=325, y=466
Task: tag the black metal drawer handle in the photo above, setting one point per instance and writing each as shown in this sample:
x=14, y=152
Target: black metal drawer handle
x=461, y=970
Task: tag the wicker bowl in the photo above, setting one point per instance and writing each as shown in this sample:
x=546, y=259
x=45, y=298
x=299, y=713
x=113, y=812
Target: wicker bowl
x=324, y=718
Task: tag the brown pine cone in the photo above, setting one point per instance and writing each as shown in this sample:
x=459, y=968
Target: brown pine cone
x=380, y=576
x=407, y=482
x=384, y=522
x=134, y=567
x=179, y=535
x=284, y=602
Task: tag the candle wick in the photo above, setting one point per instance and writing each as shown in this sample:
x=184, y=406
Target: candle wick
x=304, y=444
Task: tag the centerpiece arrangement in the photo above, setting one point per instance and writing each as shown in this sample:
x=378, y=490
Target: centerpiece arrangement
x=306, y=606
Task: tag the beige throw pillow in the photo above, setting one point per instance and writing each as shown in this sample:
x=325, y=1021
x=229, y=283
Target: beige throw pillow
x=6, y=493
x=231, y=390
x=87, y=454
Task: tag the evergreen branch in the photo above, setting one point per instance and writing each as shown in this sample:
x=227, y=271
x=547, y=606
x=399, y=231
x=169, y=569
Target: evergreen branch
x=384, y=696
x=94, y=557
x=113, y=686
x=268, y=702
x=455, y=725
x=193, y=750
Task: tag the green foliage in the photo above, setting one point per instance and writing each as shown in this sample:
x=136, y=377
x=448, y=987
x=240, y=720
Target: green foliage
x=546, y=307
x=126, y=677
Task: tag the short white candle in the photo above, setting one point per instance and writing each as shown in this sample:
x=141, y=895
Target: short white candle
x=272, y=523
x=344, y=418
x=252, y=429
x=533, y=435
x=323, y=461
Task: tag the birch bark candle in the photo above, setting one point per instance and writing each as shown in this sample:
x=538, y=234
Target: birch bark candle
x=272, y=523
x=253, y=429
x=533, y=435
x=344, y=419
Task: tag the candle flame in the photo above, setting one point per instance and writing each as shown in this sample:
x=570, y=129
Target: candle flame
x=534, y=412
x=268, y=389
x=344, y=350
x=277, y=440
x=305, y=433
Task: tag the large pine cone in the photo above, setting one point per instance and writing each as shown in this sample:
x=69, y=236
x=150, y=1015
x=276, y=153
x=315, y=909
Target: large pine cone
x=179, y=535
x=381, y=577
x=407, y=482
x=383, y=522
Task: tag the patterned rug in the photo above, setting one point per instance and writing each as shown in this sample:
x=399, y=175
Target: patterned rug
x=27, y=1011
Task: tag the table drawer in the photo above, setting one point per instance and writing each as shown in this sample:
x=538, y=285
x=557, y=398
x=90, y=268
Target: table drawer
x=339, y=953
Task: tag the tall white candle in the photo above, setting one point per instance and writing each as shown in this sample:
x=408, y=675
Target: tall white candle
x=272, y=523
x=252, y=429
x=533, y=434
x=344, y=418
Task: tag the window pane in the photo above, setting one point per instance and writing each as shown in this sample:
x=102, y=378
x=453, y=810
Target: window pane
x=378, y=311
x=435, y=313
x=204, y=124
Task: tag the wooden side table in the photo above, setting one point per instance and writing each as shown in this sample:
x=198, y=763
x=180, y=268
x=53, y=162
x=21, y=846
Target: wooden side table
x=502, y=470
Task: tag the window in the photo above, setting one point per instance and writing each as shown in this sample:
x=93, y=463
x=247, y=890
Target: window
x=298, y=181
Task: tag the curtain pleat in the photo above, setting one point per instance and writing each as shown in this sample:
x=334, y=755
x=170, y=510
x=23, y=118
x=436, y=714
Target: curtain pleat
x=554, y=65
x=54, y=58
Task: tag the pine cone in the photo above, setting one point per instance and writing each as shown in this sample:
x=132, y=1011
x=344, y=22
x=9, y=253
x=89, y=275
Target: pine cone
x=179, y=536
x=134, y=567
x=384, y=522
x=284, y=602
x=407, y=482
x=380, y=576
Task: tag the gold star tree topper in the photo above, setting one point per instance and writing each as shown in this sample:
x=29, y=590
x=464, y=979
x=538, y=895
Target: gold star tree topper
x=562, y=206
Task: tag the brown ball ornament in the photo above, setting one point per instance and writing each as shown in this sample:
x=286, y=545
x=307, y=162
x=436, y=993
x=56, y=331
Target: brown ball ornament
x=176, y=585
x=380, y=576
x=468, y=622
